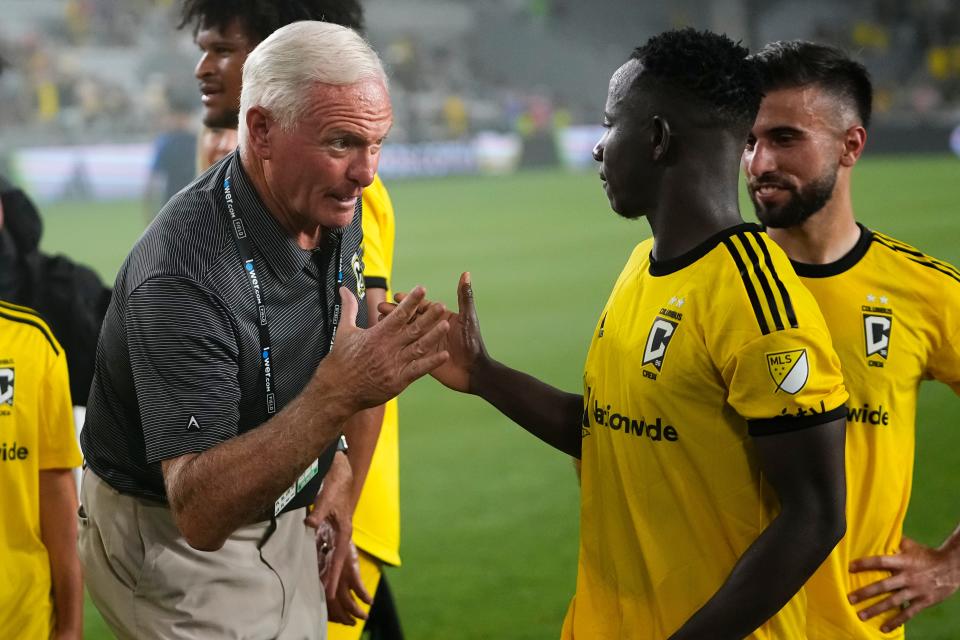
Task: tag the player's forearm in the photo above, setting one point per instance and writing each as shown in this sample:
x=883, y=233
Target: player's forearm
x=550, y=414
x=768, y=574
x=58, y=532
x=213, y=493
x=362, y=432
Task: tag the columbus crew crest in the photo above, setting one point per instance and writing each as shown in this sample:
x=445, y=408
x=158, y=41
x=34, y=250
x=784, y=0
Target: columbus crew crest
x=789, y=370
x=6, y=386
x=358, y=273
x=658, y=339
x=877, y=324
x=876, y=333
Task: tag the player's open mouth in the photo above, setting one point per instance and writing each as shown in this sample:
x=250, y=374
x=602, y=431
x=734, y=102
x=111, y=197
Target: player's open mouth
x=766, y=192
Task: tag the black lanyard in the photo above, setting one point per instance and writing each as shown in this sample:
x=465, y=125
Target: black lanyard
x=308, y=477
x=263, y=327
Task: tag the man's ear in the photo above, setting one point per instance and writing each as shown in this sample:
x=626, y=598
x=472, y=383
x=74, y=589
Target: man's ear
x=661, y=138
x=260, y=127
x=854, y=140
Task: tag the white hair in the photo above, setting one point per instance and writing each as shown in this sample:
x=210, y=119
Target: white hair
x=280, y=71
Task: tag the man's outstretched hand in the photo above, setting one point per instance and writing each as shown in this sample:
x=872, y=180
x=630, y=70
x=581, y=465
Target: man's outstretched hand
x=463, y=342
x=374, y=365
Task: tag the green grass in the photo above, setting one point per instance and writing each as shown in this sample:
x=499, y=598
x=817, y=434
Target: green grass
x=490, y=514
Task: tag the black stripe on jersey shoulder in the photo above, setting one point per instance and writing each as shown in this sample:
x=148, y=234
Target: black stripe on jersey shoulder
x=18, y=308
x=848, y=261
x=375, y=282
x=666, y=267
x=33, y=322
x=784, y=294
x=785, y=424
x=762, y=279
x=917, y=256
x=748, y=285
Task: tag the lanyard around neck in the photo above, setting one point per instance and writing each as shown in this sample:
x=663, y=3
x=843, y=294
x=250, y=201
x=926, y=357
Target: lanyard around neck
x=241, y=238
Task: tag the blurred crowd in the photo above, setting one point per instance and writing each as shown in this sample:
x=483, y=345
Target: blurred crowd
x=106, y=70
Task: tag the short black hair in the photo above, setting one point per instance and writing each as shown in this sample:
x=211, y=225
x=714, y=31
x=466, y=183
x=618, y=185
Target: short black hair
x=260, y=18
x=710, y=69
x=797, y=63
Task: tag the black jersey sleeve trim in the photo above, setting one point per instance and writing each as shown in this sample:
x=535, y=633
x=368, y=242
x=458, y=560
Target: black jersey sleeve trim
x=375, y=282
x=784, y=424
x=751, y=291
x=784, y=294
x=36, y=324
x=763, y=280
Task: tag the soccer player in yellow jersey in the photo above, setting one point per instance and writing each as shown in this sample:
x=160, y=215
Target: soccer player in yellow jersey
x=226, y=32
x=41, y=589
x=375, y=460
x=894, y=314
x=711, y=422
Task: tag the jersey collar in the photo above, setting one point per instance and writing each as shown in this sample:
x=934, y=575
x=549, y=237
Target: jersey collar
x=851, y=258
x=666, y=267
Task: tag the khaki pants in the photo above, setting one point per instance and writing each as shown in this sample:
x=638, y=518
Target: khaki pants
x=149, y=583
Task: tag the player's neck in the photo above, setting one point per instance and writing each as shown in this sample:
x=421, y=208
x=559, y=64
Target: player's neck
x=824, y=237
x=690, y=213
x=306, y=236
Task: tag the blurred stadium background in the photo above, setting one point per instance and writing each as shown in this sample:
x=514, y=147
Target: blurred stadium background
x=496, y=107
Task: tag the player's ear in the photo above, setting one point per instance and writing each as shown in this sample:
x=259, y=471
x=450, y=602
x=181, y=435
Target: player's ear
x=854, y=140
x=260, y=127
x=661, y=138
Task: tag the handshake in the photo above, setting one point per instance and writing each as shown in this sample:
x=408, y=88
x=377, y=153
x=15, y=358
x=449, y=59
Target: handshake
x=415, y=337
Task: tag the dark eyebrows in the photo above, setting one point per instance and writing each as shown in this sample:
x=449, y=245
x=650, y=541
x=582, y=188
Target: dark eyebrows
x=785, y=130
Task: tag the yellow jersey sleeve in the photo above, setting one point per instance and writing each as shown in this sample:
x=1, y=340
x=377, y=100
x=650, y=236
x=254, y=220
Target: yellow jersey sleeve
x=57, y=439
x=944, y=362
x=776, y=356
x=786, y=380
x=378, y=235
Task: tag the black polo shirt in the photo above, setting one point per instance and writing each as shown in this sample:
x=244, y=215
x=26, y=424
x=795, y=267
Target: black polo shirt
x=179, y=361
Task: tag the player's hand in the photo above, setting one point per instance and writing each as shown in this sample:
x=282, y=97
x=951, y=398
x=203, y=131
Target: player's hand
x=463, y=340
x=921, y=577
x=344, y=608
x=374, y=365
x=332, y=518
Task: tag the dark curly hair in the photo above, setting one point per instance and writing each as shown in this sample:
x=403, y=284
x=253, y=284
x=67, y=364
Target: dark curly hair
x=708, y=68
x=797, y=63
x=260, y=18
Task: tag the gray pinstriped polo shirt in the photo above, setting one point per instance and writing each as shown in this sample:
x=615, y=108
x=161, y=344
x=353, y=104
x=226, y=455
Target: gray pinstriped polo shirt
x=178, y=362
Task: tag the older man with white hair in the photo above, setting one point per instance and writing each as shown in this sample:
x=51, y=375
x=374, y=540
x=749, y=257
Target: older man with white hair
x=230, y=360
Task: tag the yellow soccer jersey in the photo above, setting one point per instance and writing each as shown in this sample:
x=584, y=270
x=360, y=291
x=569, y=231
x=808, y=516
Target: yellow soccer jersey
x=36, y=432
x=894, y=314
x=690, y=360
x=376, y=522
